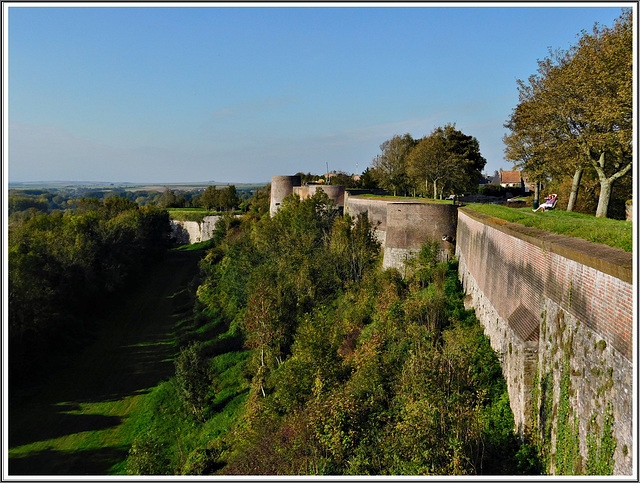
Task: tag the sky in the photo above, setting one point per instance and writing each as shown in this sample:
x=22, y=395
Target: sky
x=168, y=93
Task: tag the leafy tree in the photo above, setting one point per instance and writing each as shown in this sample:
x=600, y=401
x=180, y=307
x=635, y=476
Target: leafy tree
x=368, y=179
x=577, y=111
x=193, y=380
x=447, y=159
x=209, y=198
x=168, y=199
x=116, y=205
x=231, y=199
x=62, y=265
x=389, y=169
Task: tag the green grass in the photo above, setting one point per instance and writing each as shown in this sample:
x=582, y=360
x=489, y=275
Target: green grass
x=84, y=418
x=614, y=233
x=190, y=214
x=204, y=245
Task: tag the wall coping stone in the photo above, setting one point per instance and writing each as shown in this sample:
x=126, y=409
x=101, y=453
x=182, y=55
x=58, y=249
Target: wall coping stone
x=612, y=261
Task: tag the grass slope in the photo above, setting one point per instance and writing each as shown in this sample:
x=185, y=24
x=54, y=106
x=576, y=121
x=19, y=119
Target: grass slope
x=615, y=233
x=82, y=420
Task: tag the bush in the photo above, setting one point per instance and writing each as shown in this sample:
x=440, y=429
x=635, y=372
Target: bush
x=193, y=380
x=147, y=456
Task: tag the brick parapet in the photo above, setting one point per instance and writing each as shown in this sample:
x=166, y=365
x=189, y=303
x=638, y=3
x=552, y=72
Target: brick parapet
x=606, y=259
x=518, y=266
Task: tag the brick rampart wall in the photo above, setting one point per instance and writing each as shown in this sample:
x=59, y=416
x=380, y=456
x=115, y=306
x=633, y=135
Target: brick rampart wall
x=516, y=267
x=546, y=300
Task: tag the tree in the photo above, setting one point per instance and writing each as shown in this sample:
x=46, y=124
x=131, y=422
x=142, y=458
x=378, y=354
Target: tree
x=447, y=159
x=168, y=199
x=209, y=199
x=367, y=179
x=389, y=168
x=603, y=102
x=576, y=111
x=231, y=199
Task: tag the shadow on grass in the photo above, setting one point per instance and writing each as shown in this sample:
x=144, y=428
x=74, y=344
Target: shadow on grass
x=51, y=462
x=60, y=422
x=132, y=352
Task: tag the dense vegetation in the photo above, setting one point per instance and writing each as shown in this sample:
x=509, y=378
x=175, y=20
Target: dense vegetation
x=303, y=357
x=64, y=265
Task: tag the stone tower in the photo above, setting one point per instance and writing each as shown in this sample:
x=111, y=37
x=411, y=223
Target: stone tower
x=281, y=187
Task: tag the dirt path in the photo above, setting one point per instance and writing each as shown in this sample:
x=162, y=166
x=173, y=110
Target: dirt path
x=74, y=425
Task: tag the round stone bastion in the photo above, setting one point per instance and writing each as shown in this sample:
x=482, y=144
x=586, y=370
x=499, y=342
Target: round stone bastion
x=334, y=192
x=281, y=187
x=410, y=225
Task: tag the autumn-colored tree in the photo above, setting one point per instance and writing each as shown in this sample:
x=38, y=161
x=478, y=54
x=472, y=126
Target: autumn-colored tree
x=576, y=111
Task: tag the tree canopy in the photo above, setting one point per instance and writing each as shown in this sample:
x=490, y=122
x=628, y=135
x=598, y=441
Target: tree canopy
x=390, y=167
x=446, y=160
x=576, y=111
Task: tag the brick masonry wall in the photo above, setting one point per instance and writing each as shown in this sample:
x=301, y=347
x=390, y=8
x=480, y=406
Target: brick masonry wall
x=544, y=299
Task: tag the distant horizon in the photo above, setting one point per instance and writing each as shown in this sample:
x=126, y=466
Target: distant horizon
x=129, y=183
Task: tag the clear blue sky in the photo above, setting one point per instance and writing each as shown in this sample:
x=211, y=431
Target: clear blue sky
x=237, y=94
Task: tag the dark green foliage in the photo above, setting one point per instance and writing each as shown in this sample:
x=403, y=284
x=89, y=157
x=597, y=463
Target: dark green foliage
x=193, y=380
x=146, y=456
x=61, y=266
x=350, y=369
x=221, y=199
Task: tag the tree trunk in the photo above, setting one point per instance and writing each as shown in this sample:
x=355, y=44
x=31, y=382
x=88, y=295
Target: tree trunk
x=435, y=190
x=577, y=177
x=606, y=183
x=605, y=196
x=536, y=193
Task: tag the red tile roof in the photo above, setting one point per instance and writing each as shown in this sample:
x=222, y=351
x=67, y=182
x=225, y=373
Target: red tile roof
x=510, y=177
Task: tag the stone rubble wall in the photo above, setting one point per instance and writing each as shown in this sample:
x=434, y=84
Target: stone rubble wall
x=189, y=232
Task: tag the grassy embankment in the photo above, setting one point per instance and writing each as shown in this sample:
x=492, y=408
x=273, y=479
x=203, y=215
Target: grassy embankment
x=190, y=214
x=614, y=233
x=84, y=419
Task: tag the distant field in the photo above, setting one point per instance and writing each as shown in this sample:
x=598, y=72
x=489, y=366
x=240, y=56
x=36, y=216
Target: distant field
x=615, y=233
x=129, y=186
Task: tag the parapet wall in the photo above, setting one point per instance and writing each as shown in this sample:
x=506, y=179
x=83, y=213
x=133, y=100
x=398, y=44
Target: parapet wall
x=556, y=309
x=334, y=192
x=376, y=210
x=409, y=225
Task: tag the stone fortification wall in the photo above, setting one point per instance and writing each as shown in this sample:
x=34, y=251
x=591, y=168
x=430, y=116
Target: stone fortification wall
x=402, y=227
x=281, y=187
x=188, y=232
x=410, y=224
x=376, y=210
x=334, y=192
x=559, y=312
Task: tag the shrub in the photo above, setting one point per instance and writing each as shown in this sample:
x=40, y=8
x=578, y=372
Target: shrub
x=193, y=380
